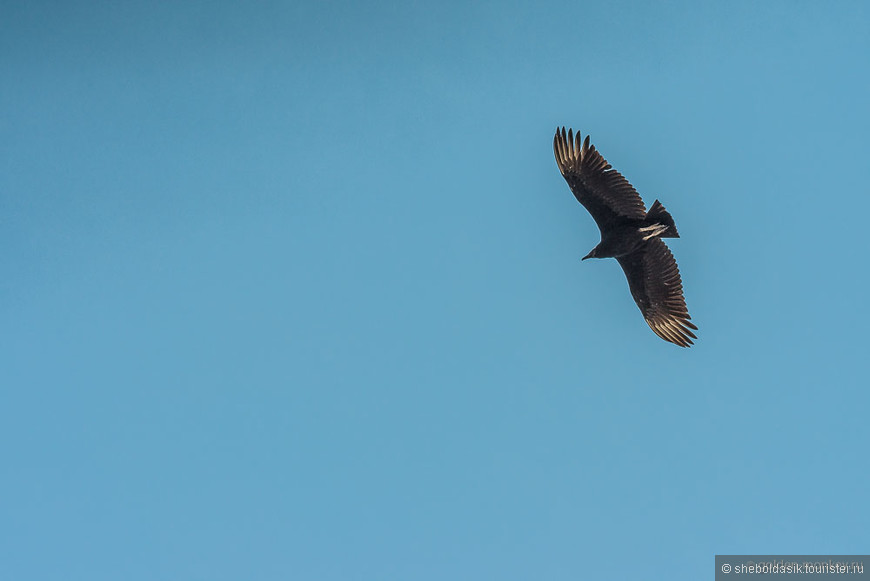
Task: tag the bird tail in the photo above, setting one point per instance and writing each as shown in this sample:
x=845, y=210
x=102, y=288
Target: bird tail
x=658, y=215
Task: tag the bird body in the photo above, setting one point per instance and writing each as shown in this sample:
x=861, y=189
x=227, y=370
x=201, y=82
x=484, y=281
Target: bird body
x=630, y=234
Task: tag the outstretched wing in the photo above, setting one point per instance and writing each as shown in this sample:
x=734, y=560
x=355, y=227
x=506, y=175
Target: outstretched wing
x=655, y=284
x=603, y=191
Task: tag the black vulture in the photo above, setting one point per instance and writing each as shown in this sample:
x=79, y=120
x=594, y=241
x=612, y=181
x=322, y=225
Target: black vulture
x=629, y=234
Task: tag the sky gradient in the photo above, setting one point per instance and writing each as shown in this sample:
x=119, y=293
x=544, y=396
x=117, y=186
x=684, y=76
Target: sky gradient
x=293, y=290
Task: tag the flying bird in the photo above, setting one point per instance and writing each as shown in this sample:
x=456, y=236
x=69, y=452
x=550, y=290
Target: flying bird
x=629, y=234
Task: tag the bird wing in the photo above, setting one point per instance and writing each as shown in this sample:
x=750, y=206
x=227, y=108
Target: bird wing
x=604, y=192
x=655, y=284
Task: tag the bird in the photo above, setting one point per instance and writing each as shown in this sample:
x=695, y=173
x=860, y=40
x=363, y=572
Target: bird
x=630, y=234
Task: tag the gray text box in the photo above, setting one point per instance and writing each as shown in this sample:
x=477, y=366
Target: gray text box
x=783, y=567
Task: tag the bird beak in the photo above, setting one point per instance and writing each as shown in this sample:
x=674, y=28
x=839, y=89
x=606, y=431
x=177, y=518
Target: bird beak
x=587, y=256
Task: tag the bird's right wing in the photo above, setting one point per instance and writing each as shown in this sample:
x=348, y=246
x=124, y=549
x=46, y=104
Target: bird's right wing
x=655, y=284
x=604, y=192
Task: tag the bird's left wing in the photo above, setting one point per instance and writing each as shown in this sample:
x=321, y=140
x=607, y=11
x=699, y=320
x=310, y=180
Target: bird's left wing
x=608, y=196
x=655, y=284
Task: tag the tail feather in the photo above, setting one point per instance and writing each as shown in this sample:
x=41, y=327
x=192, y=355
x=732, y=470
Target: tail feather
x=658, y=215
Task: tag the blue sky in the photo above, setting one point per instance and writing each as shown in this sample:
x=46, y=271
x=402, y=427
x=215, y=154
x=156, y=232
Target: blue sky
x=293, y=290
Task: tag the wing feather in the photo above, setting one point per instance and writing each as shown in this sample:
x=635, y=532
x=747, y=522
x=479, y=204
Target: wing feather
x=654, y=280
x=602, y=190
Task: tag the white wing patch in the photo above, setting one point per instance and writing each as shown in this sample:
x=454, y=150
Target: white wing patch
x=654, y=230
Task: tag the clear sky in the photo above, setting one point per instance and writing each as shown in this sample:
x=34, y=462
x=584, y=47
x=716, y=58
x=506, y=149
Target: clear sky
x=292, y=290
